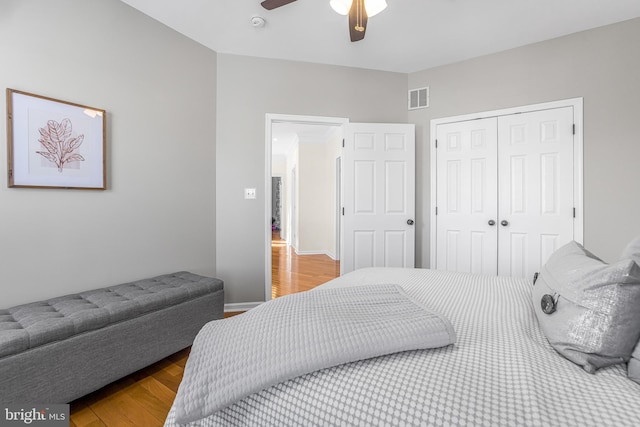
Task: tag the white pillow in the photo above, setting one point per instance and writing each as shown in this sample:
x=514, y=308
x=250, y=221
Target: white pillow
x=587, y=309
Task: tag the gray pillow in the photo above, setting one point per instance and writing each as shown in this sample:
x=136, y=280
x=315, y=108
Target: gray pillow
x=587, y=309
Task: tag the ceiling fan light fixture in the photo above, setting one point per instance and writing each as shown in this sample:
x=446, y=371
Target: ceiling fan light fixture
x=341, y=6
x=373, y=7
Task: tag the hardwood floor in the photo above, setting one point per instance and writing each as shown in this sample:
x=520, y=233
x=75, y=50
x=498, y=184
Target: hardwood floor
x=141, y=399
x=291, y=273
x=145, y=397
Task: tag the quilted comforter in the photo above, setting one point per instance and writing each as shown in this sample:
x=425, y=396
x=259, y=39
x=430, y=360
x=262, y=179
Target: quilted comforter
x=501, y=371
x=298, y=334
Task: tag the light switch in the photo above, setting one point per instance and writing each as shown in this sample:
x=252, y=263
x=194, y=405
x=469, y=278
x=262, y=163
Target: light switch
x=249, y=193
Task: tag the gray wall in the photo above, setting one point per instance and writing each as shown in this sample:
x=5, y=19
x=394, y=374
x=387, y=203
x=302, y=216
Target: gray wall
x=159, y=90
x=316, y=196
x=248, y=89
x=166, y=170
x=601, y=65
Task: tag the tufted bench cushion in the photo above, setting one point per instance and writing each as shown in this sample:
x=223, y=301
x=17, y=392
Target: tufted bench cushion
x=57, y=350
x=35, y=324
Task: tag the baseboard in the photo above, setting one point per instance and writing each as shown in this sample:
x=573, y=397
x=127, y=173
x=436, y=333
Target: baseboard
x=240, y=306
x=321, y=252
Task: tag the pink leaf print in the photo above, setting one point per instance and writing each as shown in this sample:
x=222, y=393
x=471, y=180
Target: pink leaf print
x=56, y=139
x=75, y=142
x=74, y=158
x=49, y=156
x=46, y=141
x=59, y=132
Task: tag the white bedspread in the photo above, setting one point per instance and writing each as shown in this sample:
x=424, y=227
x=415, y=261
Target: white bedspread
x=299, y=334
x=501, y=372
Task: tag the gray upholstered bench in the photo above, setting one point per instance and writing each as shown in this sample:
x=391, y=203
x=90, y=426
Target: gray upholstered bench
x=58, y=350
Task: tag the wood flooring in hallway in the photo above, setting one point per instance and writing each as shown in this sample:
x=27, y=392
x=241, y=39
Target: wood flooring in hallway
x=291, y=273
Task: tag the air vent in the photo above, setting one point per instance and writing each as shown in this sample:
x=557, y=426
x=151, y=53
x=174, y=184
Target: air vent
x=418, y=98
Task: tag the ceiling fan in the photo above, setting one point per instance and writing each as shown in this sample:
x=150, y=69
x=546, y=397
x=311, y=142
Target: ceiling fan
x=358, y=15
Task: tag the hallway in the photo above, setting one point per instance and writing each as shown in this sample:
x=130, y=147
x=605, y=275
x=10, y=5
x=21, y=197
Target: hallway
x=291, y=273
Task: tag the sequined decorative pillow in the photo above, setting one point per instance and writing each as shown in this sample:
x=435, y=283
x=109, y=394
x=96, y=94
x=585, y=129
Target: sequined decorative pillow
x=588, y=309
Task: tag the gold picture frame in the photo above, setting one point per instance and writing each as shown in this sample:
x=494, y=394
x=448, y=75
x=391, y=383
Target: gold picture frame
x=55, y=144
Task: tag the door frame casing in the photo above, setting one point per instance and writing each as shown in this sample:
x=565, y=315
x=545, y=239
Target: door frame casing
x=270, y=119
x=578, y=199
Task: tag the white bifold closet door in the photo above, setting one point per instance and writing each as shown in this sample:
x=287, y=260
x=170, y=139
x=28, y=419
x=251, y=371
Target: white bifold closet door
x=504, y=192
x=467, y=197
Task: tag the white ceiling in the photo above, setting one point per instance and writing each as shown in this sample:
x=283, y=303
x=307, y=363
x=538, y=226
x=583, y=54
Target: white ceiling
x=285, y=135
x=409, y=36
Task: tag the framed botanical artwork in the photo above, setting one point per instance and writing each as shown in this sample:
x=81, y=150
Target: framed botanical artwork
x=55, y=144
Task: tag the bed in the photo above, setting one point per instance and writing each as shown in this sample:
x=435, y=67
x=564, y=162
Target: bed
x=501, y=371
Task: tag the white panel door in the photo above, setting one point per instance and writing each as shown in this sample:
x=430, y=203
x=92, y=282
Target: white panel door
x=535, y=160
x=378, y=196
x=466, y=196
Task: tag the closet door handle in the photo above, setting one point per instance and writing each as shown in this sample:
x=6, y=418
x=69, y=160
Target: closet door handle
x=492, y=222
x=410, y=221
x=504, y=222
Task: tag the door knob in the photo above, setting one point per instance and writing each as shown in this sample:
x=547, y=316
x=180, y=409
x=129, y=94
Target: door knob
x=492, y=222
x=504, y=222
x=410, y=221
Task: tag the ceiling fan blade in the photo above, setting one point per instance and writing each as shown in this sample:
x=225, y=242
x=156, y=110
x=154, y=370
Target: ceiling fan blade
x=357, y=20
x=272, y=4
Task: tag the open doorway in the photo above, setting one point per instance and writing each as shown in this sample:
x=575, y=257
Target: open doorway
x=304, y=153
x=276, y=206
